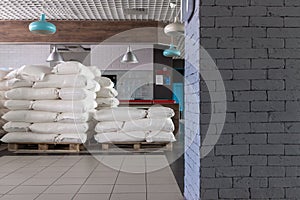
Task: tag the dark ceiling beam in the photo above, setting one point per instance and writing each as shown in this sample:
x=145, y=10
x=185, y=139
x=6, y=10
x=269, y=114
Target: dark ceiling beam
x=80, y=32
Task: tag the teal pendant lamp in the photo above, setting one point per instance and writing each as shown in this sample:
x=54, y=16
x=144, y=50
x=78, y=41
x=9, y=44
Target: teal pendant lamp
x=171, y=52
x=42, y=27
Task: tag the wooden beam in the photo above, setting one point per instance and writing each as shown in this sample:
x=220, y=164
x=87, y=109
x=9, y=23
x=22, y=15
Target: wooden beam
x=89, y=32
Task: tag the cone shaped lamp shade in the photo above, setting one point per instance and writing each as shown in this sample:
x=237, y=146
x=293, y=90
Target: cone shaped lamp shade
x=42, y=27
x=129, y=57
x=171, y=52
x=55, y=56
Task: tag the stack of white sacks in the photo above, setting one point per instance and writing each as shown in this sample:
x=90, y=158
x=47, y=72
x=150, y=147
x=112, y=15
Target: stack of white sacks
x=54, y=106
x=4, y=86
x=106, y=97
x=127, y=124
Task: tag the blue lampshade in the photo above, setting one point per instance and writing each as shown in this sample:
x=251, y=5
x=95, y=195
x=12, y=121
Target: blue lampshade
x=171, y=52
x=42, y=27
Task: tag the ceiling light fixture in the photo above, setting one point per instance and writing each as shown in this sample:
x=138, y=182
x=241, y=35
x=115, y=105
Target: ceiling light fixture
x=55, y=56
x=129, y=57
x=176, y=28
x=42, y=27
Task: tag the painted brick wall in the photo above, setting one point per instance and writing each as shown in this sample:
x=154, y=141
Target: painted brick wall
x=256, y=46
x=192, y=110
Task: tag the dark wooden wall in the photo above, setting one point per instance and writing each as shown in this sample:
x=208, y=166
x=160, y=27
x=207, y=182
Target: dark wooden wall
x=79, y=32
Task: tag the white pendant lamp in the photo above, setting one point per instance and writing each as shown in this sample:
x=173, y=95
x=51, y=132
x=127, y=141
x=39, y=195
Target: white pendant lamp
x=129, y=57
x=176, y=28
x=55, y=56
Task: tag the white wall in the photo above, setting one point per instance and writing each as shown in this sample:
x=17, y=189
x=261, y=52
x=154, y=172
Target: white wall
x=133, y=80
x=15, y=56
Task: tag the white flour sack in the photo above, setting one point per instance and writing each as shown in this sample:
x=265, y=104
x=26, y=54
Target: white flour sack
x=64, y=106
x=107, y=93
x=65, y=81
x=30, y=72
x=14, y=83
x=30, y=116
x=134, y=136
x=28, y=137
x=32, y=93
x=18, y=104
x=59, y=127
x=16, y=126
x=160, y=112
x=76, y=94
x=120, y=114
x=113, y=102
x=160, y=136
x=73, y=68
x=95, y=70
x=112, y=126
x=149, y=125
x=74, y=117
x=105, y=82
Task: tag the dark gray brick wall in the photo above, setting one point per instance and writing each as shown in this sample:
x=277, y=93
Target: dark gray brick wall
x=256, y=46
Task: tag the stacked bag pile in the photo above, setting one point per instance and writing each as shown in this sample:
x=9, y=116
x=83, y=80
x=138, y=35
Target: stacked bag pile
x=106, y=97
x=4, y=86
x=54, y=106
x=127, y=124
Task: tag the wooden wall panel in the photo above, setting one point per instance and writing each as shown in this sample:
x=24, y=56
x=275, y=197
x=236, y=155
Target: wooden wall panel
x=78, y=32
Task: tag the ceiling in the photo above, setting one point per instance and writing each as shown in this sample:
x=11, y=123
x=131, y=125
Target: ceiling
x=158, y=10
x=116, y=10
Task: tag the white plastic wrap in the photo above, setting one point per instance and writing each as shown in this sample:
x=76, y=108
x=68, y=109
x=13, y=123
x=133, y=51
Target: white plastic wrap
x=160, y=137
x=107, y=93
x=28, y=137
x=32, y=93
x=18, y=104
x=73, y=68
x=65, y=81
x=30, y=116
x=137, y=136
x=64, y=106
x=104, y=82
x=160, y=112
x=16, y=127
x=120, y=114
x=76, y=94
x=59, y=128
x=30, y=72
x=111, y=102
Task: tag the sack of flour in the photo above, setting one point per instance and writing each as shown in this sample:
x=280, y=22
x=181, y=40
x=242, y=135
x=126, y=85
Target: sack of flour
x=111, y=126
x=14, y=83
x=76, y=94
x=73, y=68
x=32, y=93
x=134, y=136
x=16, y=126
x=111, y=102
x=29, y=116
x=65, y=81
x=74, y=117
x=107, y=93
x=120, y=114
x=30, y=72
x=95, y=71
x=160, y=136
x=59, y=128
x=64, y=106
x=18, y=104
x=104, y=82
x=149, y=125
x=160, y=112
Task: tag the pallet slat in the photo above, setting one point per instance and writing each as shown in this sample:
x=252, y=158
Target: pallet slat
x=49, y=147
x=140, y=145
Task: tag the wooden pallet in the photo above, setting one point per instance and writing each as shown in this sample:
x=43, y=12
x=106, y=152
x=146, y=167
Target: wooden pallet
x=45, y=148
x=139, y=145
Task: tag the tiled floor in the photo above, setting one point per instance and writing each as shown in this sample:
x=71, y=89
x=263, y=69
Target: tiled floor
x=103, y=177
